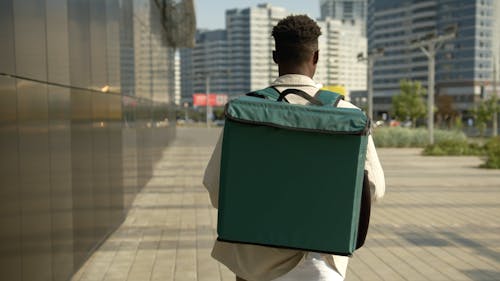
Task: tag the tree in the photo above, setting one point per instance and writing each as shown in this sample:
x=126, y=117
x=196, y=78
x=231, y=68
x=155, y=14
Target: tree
x=484, y=112
x=409, y=104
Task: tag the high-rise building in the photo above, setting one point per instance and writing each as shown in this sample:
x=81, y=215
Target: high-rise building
x=339, y=45
x=354, y=10
x=464, y=65
x=239, y=59
x=205, y=65
x=185, y=70
x=251, y=45
x=177, y=79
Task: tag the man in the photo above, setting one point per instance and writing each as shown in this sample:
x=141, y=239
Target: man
x=296, y=54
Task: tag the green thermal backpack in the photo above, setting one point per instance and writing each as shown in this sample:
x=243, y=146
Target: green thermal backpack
x=292, y=175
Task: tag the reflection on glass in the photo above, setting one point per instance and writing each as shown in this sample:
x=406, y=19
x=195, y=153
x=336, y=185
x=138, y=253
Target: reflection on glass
x=80, y=126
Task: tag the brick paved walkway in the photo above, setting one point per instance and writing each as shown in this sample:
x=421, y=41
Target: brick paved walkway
x=439, y=221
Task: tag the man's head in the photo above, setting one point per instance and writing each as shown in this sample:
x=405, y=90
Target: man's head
x=296, y=39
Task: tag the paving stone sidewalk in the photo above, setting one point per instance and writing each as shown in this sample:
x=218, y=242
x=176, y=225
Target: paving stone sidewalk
x=440, y=220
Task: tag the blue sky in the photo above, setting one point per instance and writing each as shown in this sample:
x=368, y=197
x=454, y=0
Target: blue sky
x=211, y=13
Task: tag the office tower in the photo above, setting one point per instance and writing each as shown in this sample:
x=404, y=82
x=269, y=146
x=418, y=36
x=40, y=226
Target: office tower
x=353, y=10
x=463, y=65
x=237, y=59
x=186, y=69
x=250, y=43
x=207, y=60
x=339, y=45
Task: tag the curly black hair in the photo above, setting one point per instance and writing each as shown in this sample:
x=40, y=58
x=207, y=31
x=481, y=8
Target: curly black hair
x=296, y=36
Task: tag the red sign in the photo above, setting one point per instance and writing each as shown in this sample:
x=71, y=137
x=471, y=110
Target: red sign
x=213, y=99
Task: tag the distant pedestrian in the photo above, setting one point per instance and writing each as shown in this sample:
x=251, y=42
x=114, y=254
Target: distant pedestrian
x=297, y=56
x=470, y=122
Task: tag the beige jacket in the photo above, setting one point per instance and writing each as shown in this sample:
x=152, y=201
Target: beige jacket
x=258, y=263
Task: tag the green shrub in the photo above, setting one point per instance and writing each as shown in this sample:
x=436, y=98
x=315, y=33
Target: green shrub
x=446, y=135
x=492, y=154
x=453, y=148
x=406, y=137
x=446, y=143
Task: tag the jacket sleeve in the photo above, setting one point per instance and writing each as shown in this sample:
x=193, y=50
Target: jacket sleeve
x=211, y=178
x=375, y=172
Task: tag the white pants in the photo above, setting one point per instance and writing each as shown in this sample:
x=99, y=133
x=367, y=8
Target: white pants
x=311, y=268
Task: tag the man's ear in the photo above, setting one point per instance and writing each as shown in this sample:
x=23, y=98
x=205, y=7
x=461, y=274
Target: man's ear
x=316, y=57
x=275, y=57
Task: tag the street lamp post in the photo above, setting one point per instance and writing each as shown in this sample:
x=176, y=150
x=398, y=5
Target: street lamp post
x=370, y=59
x=495, y=99
x=186, y=111
x=429, y=45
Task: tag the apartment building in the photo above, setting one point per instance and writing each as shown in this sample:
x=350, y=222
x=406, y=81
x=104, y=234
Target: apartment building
x=251, y=45
x=340, y=43
x=353, y=10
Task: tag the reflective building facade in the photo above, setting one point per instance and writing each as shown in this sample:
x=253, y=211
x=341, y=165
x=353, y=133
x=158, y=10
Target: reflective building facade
x=86, y=105
x=464, y=65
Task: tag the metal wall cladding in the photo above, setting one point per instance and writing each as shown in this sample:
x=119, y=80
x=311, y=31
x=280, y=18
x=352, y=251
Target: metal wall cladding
x=34, y=179
x=85, y=110
x=10, y=202
x=30, y=38
x=57, y=41
x=7, y=58
x=113, y=43
x=59, y=103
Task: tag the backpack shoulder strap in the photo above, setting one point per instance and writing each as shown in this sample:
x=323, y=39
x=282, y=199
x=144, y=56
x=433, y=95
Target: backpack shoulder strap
x=267, y=93
x=328, y=97
x=364, y=213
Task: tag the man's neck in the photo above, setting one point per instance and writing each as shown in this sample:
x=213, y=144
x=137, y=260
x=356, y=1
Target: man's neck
x=297, y=69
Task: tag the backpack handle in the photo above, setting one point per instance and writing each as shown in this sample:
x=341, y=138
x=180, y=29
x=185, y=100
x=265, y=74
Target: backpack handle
x=301, y=94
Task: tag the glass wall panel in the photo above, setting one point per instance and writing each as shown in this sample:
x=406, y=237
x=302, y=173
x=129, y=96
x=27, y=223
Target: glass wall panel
x=61, y=182
x=10, y=204
x=82, y=180
x=142, y=49
x=7, y=59
x=34, y=178
x=79, y=46
x=57, y=41
x=30, y=39
x=100, y=164
x=98, y=56
x=144, y=141
x=130, y=150
x=113, y=44
x=115, y=160
x=127, y=80
x=82, y=122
